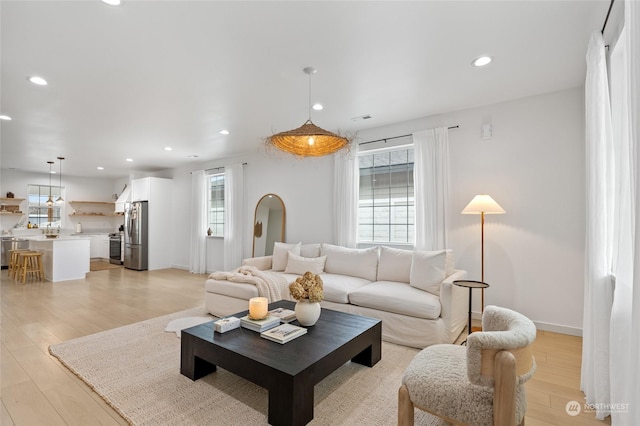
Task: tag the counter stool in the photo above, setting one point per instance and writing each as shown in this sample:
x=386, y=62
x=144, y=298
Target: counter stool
x=14, y=255
x=30, y=263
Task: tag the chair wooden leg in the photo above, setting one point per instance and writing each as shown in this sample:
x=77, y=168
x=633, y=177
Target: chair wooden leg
x=405, y=407
x=23, y=269
x=504, y=396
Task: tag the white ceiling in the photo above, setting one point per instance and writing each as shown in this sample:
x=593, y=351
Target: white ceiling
x=128, y=81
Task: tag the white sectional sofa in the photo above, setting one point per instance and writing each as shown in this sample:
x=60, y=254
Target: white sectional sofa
x=412, y=292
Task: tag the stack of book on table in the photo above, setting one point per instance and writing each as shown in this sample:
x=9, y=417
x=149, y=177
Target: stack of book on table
x=284, y=333
x=285, y=315
x=259, y=325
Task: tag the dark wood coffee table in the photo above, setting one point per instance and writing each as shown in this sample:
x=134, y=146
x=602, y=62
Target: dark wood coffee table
x=288, y=371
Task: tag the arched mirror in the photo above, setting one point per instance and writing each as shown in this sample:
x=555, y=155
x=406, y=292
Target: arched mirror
x=268, y=224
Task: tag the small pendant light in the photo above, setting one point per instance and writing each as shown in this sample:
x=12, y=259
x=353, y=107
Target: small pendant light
x=60, y=200
x=50, y=200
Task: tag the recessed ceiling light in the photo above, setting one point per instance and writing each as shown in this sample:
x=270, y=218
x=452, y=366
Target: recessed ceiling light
x=52, y=172
x=129, y=160
x=224, y=132
x=5, y=117
x=317, y=107
x=37, y=80
x=100, y=168
x=482, y=61
x=112, y=2
x=168, y=148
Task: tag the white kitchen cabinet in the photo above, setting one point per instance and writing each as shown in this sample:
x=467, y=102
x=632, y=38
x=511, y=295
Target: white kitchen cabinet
x=94, y=246
x=99, y=246
x=104, y=247
x=141, y=189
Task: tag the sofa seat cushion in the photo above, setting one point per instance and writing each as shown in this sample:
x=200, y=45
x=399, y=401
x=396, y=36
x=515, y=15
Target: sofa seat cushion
x=245, y=290
x=231, y=289
x=337, y=287
x=400, y=298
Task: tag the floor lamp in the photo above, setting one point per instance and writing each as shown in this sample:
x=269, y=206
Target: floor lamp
x=482, y=204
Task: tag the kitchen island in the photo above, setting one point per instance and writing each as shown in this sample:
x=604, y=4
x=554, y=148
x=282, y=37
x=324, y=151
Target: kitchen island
x=64, y=258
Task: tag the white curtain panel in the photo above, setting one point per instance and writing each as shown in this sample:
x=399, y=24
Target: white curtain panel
x=625, y=318
x=233, y=215
x=622, y=264
x=198, y=255
x=598, y=292
x=346, y=184
x=632, y=19
x=431, y=188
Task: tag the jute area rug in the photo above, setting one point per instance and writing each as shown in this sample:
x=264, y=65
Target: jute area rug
x=136, y=370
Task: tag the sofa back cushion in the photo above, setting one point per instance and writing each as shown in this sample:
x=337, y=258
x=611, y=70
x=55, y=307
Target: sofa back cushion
x=428, y=270
x=361, y=263
x=310, y=250
x=281, y=255
x=394, y=264
x=299, y=265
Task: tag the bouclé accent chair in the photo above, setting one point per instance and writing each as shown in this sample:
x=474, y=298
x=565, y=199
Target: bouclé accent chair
x=480, y=384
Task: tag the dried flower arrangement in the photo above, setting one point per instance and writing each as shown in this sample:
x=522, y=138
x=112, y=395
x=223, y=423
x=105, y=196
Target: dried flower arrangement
x=308, y=286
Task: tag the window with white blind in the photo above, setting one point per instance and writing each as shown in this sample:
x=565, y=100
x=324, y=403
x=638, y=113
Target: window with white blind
x=386, y=202
x=215, y=204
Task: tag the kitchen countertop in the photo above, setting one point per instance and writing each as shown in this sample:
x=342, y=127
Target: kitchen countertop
x=59, y=238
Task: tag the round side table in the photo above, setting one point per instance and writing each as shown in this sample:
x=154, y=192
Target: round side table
x=470, y=284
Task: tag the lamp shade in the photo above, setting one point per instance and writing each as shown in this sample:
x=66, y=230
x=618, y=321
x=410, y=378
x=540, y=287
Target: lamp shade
x=483, y=204
x=308, y=140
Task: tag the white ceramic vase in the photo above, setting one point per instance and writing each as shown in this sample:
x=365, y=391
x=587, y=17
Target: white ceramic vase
x=307, y=312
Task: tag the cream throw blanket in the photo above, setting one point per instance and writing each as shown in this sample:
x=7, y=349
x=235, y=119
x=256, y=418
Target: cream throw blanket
x=267, y=283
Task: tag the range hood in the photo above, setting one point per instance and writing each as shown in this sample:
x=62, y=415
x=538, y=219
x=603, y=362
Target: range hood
x=124, y=197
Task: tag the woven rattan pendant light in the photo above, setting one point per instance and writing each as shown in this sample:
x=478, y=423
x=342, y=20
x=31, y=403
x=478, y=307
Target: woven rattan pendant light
x=308, y=140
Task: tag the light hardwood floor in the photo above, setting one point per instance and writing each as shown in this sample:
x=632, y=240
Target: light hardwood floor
x=35, y=389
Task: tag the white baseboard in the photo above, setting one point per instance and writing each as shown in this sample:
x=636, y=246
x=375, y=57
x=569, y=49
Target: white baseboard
x=557, y=328
x=183, y=267
x=546, y=326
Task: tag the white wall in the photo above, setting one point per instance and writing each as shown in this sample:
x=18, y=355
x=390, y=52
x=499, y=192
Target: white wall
x=304, y=184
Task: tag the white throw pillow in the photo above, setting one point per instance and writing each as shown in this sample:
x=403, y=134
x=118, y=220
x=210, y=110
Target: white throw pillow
x=428, y=270
x=361, y=263
x=281, y=254
x=299, y=265
x=394, y=264
x=310, y=250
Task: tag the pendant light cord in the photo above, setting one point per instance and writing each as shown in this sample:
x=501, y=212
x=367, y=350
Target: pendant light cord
x=309, y=96
x=309, y=71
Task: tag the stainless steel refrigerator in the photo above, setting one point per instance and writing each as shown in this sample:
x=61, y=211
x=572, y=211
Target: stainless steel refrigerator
x=136, y=225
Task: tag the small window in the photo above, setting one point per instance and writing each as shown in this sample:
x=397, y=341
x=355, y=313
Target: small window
x=386, y=204
x=40, y=214
x=216, y=204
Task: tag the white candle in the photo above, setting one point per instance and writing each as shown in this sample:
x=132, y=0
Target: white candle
x=258, y=307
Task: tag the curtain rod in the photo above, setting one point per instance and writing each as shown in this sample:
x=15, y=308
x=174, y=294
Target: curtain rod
x=607, y=17
x=217, y=168
x=398, y=137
